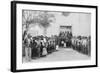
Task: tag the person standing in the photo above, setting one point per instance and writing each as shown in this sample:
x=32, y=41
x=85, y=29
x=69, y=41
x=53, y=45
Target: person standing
x=38, y=48
x=41, y=48
x=44, y=53
x=27, y=48
x=34, y=49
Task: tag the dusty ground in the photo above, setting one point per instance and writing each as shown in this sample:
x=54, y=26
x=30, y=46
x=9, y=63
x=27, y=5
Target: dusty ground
x=63, y=54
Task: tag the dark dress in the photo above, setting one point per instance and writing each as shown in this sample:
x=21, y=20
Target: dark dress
x=34, y=49
x=41, y=49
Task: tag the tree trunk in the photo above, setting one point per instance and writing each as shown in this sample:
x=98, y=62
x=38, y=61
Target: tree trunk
x=45, y=31
x=25, y=32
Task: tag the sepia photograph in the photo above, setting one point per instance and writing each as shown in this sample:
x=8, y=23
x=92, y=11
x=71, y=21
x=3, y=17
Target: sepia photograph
x=48, y=36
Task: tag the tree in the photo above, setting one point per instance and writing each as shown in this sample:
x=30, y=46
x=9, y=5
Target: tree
x=43, y=18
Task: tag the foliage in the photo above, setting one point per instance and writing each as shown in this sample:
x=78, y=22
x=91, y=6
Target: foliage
x=41, y=17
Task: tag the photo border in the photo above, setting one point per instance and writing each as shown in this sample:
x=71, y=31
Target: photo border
x=14, y=29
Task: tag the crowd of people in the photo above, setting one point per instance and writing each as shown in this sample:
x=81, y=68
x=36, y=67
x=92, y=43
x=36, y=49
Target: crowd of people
x=82, y=44
x=39, y=46
x=65, y=39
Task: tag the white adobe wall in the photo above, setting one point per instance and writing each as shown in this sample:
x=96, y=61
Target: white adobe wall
x=81, y=23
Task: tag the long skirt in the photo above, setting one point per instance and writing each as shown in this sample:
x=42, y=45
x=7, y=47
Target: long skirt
x=28, y=53
x=64, y=45
x=44, y=51
x=35, y=52
x=57, y=47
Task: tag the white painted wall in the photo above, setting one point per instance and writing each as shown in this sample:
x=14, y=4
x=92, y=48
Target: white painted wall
x=80, y=22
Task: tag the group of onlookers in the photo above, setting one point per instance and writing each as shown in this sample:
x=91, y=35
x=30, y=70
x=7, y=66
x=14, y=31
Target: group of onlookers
x=39, y=46
x=82, y=44
x=65, y=39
